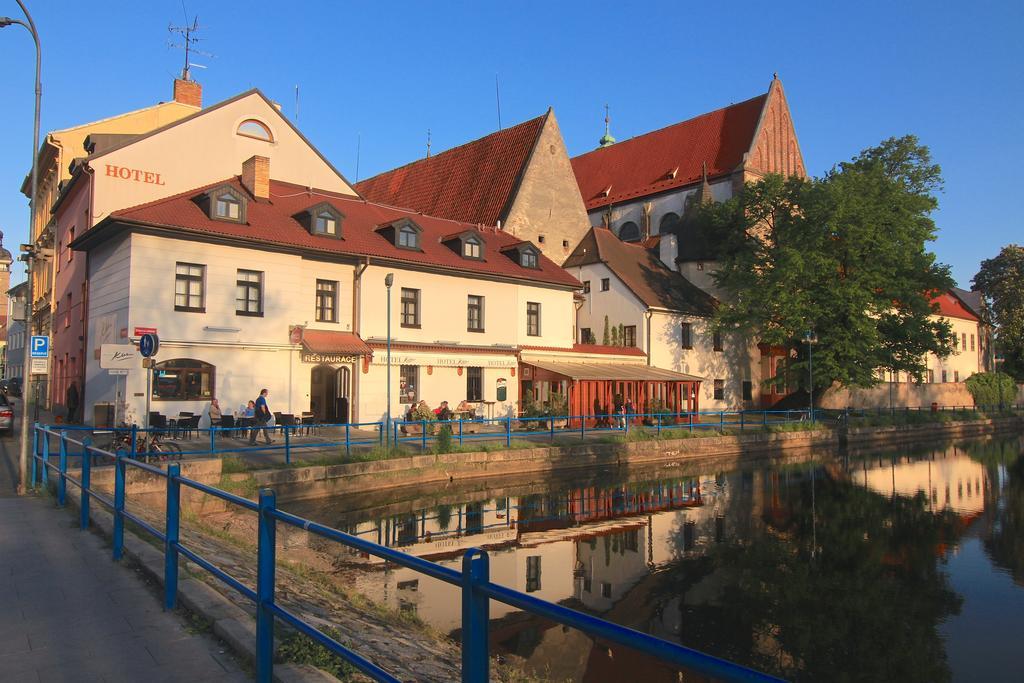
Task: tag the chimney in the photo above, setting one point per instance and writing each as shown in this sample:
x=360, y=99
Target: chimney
x=668, y=250
x=188, y=92
x=256, y=176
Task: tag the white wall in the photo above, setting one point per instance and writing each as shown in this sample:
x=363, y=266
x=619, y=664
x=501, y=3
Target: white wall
x=669, y=202
x=618, y=303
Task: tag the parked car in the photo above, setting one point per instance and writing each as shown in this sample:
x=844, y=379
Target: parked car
x=11, y=387
x=6, y=415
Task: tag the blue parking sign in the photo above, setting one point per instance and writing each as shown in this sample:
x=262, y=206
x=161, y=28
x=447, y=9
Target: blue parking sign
x=39, y=347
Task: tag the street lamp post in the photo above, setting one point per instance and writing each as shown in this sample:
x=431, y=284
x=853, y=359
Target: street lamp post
x=26, y=386
x=389, y=280
x=811, y=338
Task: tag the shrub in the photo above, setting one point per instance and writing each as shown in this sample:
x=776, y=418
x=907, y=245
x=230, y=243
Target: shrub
x=992, y=388
x=301, y=649
x=444, y=440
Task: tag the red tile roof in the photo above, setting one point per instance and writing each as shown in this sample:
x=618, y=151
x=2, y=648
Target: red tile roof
x=591, y=348
x=473, y=182
x=643, y=165
x=274, y=223
x=951, y=307
x=329, y=341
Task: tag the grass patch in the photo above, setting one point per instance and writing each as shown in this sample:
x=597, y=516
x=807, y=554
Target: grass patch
x=793, y=427
x=247, y=488
x=232, y=464
x=297, y=648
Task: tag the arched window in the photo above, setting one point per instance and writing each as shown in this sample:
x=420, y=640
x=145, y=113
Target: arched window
x=629, y=232
x=183, y=379
x=668, y=223
x=251, y=128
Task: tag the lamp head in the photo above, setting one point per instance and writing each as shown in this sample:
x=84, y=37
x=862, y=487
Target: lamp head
x=810, y=337
x=389, y=280
x=5, y=21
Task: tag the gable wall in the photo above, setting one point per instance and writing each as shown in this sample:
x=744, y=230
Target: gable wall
x=777, y=149
x=547, y=202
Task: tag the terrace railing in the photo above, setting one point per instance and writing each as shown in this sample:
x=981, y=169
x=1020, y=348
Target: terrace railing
x=477, y=589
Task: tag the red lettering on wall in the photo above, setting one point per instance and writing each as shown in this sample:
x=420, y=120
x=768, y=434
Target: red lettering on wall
x=135, y=174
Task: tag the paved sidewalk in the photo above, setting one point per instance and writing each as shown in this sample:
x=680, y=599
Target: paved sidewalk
x=69, y=613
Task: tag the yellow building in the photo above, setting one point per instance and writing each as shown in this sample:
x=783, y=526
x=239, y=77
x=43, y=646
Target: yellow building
x=58, y=150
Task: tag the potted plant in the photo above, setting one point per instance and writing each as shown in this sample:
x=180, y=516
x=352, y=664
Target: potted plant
x=559, y=409
x=421, y=412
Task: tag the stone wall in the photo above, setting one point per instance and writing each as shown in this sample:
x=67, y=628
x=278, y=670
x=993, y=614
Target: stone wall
x=904, y=394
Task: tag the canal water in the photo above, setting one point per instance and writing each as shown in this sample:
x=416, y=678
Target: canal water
x=889, y=565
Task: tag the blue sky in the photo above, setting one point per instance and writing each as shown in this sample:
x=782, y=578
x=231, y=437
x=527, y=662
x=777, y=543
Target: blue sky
x=854, y=73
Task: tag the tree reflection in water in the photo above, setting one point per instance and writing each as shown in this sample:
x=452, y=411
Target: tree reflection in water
x=865, y=607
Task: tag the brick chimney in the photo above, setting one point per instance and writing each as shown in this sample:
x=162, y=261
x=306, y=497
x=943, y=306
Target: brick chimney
x=188, y=92
x=256, y=176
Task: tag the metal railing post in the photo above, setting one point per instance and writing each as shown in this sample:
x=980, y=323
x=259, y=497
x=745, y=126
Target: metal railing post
x=348, y=439
x=475, y=656
x=83, y=506
x=659, y=423
x=689, y=416
x=171, y=534
x=46, y=458
x=721, y=421
x=135, y=440
x=119, y=486
x=213, y=440
x=62, y=463
x=265, y=568
x=508, y=432
x=35, y=453
x=583, y=427
x=423, y=433
x=742, y=421
x=552, y=423
x=287, y=445
x=460, y=431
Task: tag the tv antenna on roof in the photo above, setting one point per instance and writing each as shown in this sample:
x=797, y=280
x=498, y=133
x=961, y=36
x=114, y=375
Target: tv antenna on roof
x=188, y=43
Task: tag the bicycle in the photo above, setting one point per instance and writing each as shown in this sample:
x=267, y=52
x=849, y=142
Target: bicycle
x=154, y=446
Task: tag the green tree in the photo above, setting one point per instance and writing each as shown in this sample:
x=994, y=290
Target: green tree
x=606, y=340
x=1001, y=282
x=622, y=334
x=615, y=335
x=844, y=255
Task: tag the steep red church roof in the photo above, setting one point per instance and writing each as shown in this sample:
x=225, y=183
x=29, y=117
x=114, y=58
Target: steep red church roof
x=669, y=158
x=473, y=182
x=952, y=307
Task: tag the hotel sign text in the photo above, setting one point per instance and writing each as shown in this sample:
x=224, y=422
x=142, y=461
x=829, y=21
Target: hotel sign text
x=135, y=174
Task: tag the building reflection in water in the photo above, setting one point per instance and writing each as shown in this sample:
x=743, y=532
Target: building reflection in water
x=753, y=565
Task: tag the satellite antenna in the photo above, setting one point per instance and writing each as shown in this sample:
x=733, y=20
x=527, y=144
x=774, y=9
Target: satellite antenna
x=188, y=43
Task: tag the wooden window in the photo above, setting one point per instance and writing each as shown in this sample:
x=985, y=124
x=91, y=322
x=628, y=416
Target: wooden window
x=249, y=293
x=410, y=307
x=474, y=384
x=189, y=287
x=686, y=335
x=408, y=237
x=585, y=335
x=471, y=248
x=67, y=312
x=945, y=377
x=183, y=379
x=227, y=206
x=606, y=284
x=408, y=384
x=956, y=375
x=533, y=319
x=629, y=335
x=326, y=301
x=963, y=340
x=972, y=342
x=931, y=376
x=719, y=389
x=716, y=341
x=475, y=313
x=325, y=224
x=748, y=390
x=252, y=128
x=586, y=286
x=528, y=258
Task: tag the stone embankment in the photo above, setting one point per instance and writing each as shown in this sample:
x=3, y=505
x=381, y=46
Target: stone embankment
x=328, y=480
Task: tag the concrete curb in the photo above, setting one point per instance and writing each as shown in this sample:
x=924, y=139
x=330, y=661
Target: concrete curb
x=230, y=623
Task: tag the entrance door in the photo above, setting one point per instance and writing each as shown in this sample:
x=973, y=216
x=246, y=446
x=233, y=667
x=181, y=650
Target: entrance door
x=342, y=387
x=329, y=393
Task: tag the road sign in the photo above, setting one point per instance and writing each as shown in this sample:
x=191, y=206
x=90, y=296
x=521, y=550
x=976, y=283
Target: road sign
x=149, y=344
x=40, y=366
x=39, y=347
x=139, y=331
x=118, y=356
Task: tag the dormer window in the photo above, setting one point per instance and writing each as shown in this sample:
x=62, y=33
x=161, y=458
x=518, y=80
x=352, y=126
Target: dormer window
x=471, y=248
x=321, y=219
x=228, y=207
x=525, y=254
x=224, y=203
x=403, y=233
x=408, y=237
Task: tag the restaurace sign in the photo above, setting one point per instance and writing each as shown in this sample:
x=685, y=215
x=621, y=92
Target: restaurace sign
x=329, y=358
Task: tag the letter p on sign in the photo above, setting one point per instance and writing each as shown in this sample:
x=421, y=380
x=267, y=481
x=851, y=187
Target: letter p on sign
x=39, y=347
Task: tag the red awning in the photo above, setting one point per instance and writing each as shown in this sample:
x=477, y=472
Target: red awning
x=330, y=342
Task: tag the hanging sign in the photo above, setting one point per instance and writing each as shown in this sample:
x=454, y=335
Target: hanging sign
x=118, y=356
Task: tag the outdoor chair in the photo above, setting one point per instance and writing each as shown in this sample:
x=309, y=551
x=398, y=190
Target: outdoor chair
x=308, y=422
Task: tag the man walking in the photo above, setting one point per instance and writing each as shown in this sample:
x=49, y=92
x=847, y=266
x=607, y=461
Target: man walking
x=262, y=418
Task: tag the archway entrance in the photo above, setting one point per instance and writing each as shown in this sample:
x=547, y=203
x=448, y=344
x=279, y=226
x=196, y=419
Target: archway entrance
x=329, y=393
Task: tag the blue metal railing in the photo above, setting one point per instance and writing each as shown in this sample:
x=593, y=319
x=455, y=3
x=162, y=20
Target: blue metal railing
x=474, y=579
